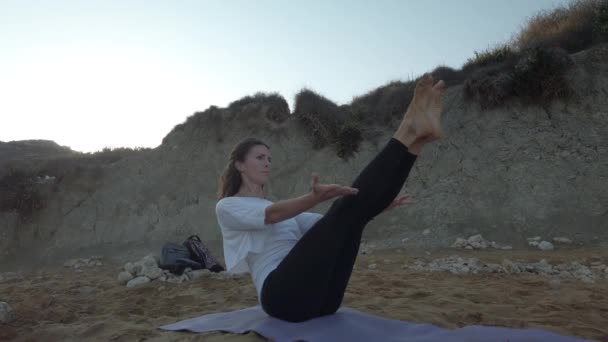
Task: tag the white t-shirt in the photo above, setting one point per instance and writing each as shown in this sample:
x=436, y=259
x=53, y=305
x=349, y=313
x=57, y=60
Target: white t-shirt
x=252, y=246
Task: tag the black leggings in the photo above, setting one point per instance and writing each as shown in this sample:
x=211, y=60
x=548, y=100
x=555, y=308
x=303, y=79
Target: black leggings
x=310, y=281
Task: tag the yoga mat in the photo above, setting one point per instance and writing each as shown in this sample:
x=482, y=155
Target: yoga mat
x=351, y=325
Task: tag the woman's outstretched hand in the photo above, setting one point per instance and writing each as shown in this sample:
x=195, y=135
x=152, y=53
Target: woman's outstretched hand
x=399, y=201
x=324, y=192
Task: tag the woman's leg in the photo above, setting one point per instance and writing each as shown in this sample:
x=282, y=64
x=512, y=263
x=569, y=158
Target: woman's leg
x=309, y=282
x=347, y=257
x=318, y=267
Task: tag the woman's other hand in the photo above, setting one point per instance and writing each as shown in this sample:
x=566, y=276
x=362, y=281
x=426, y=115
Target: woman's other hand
x=324, y=192
x=399, y=201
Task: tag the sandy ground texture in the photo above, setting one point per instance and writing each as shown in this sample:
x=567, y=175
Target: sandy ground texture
x=60, y=304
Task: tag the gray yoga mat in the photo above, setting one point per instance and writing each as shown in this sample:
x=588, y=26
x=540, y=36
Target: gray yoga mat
x=352, y=325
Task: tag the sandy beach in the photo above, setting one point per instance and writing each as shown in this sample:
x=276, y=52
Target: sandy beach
x=61, y=304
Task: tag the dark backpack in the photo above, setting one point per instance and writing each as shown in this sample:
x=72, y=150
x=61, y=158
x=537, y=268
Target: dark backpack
x=200, y=254
x=176, y=258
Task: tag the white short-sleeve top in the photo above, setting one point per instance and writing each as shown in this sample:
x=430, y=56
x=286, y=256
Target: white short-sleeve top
x=252, y=246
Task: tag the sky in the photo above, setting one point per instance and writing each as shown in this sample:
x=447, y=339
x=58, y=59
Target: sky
x=95, y=74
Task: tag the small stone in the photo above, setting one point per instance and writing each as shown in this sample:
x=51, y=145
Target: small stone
x=124, y=277
x=386, y=261
x=533, y=243
x=175, y=280
x=554, y=283
x=459, y=243
x=426, y=232
x=152, y=272
x=199, y=274
x=404, y=240
x=129, y=268
x=138, y=281
x=561, y=239
x=161, y=288
x=536, y=238
x=469, y=247
x=477, y=242
x=98, y=263
x=6, y=313
x=372, y=266
x=149, y=261
x=546, y=246
x=506, y=248
x=138, y=270
x=70, y=263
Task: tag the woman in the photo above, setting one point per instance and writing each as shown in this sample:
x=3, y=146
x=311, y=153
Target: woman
x=301, y=262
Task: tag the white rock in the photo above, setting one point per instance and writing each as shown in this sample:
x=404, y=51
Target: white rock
x=129, y=268
x=152, y=272
x=469, y=247
x=386, y=261
x=161, y=288
x=124, y=277
x=426, y=232
x=554, y=283
x=546, y=246
x=6, y=313
x=459, y=243
x=200, y=273
x=536, y=238
x=506, y=247
x=404, y=240
x=561, y=239
x=372, y=266
x=70, y=263
x=138, y=269
x=138, y=281
x=149, y=261
x=533, y=243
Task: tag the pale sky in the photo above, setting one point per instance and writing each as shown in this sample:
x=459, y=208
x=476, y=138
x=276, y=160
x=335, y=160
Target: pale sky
x=95, y=74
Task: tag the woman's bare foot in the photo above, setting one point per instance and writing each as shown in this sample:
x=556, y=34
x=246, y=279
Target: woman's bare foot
x=421, y=123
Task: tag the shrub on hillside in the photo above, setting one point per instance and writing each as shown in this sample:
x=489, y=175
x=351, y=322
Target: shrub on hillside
x=490, y=57
x=537, y=76
x=448, y=75
x=382, y=105
x=490, y=87
x=573, y=28
x=600, y=25
x=350, y=135
x=113, y=154
x=19, y=193
x=319, y=116
x=277, y=108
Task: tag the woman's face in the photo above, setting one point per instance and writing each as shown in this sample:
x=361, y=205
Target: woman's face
x=256, y=166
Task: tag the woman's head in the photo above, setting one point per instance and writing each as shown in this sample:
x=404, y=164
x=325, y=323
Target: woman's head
x=249, y=163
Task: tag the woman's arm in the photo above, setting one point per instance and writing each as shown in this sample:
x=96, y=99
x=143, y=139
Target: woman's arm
x=283, y=210
x=286, y=209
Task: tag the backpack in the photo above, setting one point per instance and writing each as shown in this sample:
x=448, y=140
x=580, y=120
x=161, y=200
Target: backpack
x=176, y=258
x=200, y=254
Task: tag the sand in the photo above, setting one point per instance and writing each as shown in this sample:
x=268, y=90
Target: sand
x=60, y=304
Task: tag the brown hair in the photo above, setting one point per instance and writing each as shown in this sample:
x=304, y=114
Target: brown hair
x=230, y=181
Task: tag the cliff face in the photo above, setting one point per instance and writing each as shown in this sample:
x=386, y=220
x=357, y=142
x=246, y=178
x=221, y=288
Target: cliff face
x=508, y=174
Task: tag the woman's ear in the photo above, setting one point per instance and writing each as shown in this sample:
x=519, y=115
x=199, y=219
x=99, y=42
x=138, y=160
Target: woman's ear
x=238, y=165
